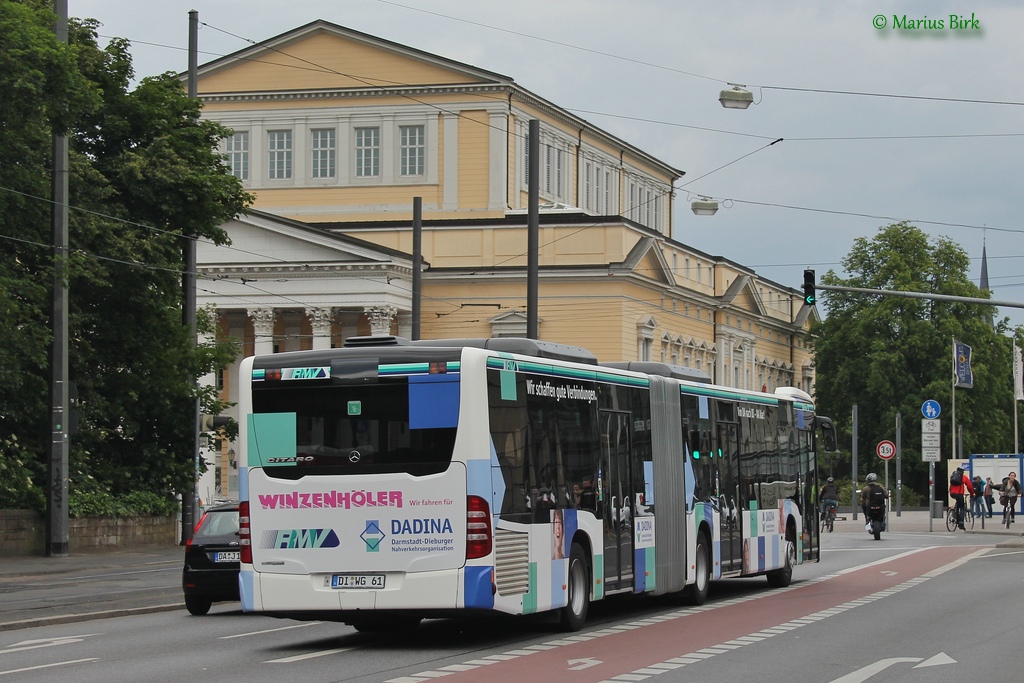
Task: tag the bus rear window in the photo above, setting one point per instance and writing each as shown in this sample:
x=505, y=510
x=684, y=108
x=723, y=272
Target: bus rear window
x=346, y=429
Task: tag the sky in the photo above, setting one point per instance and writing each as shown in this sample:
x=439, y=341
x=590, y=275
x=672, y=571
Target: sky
x=884, y=113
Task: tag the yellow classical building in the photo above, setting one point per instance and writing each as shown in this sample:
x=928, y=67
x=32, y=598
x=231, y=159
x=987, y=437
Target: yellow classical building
x=336, y=133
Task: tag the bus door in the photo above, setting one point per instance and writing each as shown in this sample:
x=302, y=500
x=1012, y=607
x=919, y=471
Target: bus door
x=616, y=500
x=729, y=507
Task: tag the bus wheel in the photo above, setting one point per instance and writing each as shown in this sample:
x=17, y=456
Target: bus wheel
x=780, y=578
x=697, y=592
x=574, y=614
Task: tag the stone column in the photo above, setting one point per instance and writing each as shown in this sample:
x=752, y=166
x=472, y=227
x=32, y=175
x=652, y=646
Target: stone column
x=321, y=320
x=380, y=319
x=263, y=327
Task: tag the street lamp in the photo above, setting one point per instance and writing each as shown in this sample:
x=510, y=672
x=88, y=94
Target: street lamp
x=704, y=206
x=736, y=97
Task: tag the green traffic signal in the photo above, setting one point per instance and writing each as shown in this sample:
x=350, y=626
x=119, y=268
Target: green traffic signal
x=809, y=298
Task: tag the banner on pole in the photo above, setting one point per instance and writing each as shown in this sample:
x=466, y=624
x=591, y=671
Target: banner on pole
x=1018, y=374
x=962, y=365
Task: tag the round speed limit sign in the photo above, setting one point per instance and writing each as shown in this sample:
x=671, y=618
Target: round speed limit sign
x=885, y=449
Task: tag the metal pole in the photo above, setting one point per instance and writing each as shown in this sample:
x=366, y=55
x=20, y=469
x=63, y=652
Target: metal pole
x=533, y=230
x=57, y=490
x=931, y=492
x=853, y=490
x=190, y=503
x=899, y=465
x=417, y=258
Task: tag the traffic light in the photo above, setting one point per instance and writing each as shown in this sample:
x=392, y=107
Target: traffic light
x=809, y=298
x=211, y=423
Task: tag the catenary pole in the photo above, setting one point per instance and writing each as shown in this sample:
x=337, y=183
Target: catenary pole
x=190, y=501
x=57, y=490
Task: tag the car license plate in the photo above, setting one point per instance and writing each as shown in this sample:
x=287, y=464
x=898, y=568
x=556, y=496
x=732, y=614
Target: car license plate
x=227, y=556
x=357, y=581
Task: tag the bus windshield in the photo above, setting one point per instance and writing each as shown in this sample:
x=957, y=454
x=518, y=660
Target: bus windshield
x=352, y=429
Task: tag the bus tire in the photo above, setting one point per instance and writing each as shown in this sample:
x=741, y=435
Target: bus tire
x=697, y=592
x=574, y=614
x=780, y=578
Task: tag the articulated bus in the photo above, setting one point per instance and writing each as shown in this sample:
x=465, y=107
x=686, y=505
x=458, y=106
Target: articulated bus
x=390, y=481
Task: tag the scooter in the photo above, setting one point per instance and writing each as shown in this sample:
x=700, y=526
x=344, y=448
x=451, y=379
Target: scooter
x=876, y=521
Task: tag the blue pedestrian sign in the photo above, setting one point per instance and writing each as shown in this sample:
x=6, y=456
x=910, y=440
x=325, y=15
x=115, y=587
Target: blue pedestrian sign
x=930, y=409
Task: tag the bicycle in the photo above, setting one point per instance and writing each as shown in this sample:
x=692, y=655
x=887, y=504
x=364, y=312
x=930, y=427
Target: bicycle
x=828, y=519
x=1007, y=510
x=951, y=523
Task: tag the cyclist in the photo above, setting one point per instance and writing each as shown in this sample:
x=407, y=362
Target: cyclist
x=829, y=495
x=872, y=495
x=957, y=483
x=1010, y=490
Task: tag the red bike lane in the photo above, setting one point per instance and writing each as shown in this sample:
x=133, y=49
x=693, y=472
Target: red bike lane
x=591, y=657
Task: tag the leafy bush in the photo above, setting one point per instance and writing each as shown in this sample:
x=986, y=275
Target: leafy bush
x=910, y=498
x=103, y=504
x=18, y=487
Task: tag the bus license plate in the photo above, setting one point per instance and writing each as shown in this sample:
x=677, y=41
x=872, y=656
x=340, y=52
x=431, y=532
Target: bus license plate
x=357, y=581
x=227, y=556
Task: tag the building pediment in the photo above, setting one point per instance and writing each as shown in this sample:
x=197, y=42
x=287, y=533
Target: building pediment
x=343, y=59
x=263, y=243
x=742, y=296
x=647, y=260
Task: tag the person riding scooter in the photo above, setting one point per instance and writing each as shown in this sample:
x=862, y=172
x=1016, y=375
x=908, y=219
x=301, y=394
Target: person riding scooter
x=872, y=501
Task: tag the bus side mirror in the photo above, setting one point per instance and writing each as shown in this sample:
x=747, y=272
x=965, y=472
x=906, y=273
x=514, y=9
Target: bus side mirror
x=828, y=435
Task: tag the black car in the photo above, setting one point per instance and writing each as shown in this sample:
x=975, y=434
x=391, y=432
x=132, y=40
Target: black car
x=212, y=560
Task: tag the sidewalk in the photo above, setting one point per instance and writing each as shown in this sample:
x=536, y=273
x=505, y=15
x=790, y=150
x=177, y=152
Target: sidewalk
x=916, y=521
x=40, y=591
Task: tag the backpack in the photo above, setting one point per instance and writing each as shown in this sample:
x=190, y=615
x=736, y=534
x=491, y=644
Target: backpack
x=957, y=478
x=876, y=497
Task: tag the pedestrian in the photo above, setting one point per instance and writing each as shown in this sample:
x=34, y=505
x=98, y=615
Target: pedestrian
x=989, y=500
x=977, y=498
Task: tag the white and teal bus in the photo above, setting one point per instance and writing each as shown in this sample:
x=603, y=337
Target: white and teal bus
x=390, y=481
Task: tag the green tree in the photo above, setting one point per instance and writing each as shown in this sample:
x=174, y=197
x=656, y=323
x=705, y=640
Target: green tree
x=144, y=171
x=889, y=354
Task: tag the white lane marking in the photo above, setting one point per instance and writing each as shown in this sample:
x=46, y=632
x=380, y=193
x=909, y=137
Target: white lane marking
x=45, y=642
x=693, y=657
x=271, y=630
x=308, y=655
x=48, y=666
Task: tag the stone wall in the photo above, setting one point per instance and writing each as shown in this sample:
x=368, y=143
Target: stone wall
x=23, y=532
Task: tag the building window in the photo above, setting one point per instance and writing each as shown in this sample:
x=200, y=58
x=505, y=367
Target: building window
x=607, y=192
x=413, y=149
x=558, y=173
x=526, y=159
x=237, y=146
x=279, y=150
x=586, y=186
x=323, y=152
x=547, y=168
x=367, y=152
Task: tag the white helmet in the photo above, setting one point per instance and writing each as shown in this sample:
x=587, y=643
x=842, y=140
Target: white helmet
x=872, y=477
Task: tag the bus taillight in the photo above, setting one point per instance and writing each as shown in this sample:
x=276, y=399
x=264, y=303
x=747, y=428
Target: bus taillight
x=244, y=533
x=478, y=528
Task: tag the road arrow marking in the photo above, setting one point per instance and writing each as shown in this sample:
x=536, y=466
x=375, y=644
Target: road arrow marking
x=45, y=642
x=586, y=663
x=941, y=658
x=864, y=673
